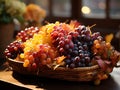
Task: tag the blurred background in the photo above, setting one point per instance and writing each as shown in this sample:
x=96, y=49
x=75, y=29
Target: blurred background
x=104, y=13
x=16, y=15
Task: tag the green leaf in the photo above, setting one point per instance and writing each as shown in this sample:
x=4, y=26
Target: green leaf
x=5, y=19
x=20, y=19
x=109, y=53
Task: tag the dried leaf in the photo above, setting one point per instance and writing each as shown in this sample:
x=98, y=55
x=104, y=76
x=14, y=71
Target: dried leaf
x=74, y=23
x=107, y=62
x=102, y=64
x=60, y=59
x=56, y=66
x=109, y=37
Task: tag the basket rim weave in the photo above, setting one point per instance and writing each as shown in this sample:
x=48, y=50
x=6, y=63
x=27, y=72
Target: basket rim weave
x=62, y=73
x=91, y=73
x=63, y=68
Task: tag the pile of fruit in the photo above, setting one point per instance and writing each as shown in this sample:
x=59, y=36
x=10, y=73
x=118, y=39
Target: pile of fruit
x=69, y=45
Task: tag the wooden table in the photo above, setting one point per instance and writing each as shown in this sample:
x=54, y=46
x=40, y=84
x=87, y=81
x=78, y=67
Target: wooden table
x=12, y=80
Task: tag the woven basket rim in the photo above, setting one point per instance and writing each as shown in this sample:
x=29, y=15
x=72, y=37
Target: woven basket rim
x=62, y=73
x=63, y=68
x=13, y=60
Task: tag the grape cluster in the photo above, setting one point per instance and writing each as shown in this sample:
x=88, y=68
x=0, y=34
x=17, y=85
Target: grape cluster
x=61, y=40
x=103, y=49
x=27, y=33
x=43, y=55
x=70, y=45
x=75, y=45
x=14, y=49
x=80, y=55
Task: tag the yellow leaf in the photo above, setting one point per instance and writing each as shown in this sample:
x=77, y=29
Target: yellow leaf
x=60, y=59
x=109, y=37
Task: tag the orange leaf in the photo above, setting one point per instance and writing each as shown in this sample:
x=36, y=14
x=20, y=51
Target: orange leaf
x=109, y=37
x=60, y=59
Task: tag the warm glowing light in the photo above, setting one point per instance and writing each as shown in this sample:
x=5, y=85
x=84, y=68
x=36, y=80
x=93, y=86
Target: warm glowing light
x=85, y=10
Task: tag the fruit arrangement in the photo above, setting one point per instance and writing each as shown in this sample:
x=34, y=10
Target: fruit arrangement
x=67, y=45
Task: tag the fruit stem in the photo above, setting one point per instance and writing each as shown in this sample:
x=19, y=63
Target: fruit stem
x=92, y=26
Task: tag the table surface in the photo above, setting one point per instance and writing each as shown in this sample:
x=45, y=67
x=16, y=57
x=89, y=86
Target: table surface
x=10, y=79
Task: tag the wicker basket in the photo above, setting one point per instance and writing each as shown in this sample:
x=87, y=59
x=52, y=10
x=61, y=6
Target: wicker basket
x=76, y=74
x=93, y=73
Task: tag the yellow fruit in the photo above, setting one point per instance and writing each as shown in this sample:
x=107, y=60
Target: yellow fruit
x=108, y=45
x=22, y=55
x=97, y=45
x=105, y=76
x=96, y=41
x=26, y=63
x=97, y=82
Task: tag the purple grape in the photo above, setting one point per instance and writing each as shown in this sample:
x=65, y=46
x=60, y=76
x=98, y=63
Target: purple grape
x=72, y=65
x=14, y=49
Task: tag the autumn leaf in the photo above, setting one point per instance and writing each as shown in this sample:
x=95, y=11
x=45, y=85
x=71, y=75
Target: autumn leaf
x=60, y=59
x=109, y=37
x=102, y=64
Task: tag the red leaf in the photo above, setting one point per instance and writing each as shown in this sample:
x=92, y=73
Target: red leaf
x=107, y=62
x=102, y=64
